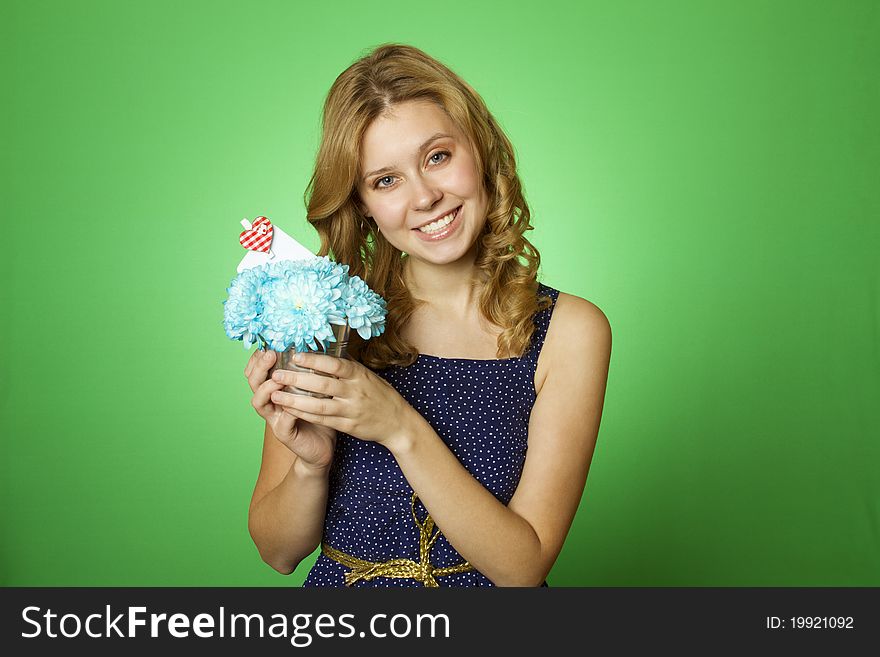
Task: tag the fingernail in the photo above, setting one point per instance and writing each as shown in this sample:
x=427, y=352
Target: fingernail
x=277, y=376
x=298, y=358
x=267, y=355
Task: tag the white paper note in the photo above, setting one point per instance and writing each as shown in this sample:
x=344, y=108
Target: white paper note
x=284, y=247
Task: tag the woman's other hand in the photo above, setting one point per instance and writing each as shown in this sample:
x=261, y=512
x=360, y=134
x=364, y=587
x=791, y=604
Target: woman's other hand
x=314, y=444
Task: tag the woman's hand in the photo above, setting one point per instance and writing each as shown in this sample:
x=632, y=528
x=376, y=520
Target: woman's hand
x=362, y=404
x=314, y=444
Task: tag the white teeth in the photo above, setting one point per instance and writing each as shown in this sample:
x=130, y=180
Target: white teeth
x=440, y=223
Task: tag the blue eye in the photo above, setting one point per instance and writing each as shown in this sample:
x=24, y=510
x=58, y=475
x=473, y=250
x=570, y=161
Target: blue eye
x=378, y=185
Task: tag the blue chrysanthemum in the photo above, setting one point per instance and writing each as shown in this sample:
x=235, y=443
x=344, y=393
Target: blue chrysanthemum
x=294, y=303
x=364, y=309
x=336, y=276
x=299, y=304
x=243, y=308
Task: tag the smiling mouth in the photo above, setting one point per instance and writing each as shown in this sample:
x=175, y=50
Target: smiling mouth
x=448, y=218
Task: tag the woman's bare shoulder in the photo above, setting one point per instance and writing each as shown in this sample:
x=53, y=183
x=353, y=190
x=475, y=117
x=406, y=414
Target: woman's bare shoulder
x=578, y=329
x=573, y=314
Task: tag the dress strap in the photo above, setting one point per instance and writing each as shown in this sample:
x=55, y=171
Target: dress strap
x=542, y=321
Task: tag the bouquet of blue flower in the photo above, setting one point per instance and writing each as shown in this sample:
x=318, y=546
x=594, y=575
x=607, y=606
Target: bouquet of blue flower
x=294, y=304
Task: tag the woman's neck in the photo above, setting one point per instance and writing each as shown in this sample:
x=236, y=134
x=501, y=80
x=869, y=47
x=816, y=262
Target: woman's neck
x=448, y=288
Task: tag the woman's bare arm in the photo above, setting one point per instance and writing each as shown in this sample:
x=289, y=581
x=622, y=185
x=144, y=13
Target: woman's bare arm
x=517, y=544
x=287, y=509
x=286, y=515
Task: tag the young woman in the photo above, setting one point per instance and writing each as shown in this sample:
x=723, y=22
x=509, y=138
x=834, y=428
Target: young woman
x=454, y=448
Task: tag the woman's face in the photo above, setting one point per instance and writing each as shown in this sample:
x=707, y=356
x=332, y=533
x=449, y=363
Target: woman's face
x=417, y=168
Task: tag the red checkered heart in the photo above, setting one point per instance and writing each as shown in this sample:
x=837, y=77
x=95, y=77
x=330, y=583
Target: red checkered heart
x=259, y=236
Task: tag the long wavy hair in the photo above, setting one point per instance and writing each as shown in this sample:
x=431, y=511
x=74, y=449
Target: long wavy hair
x=506, y=264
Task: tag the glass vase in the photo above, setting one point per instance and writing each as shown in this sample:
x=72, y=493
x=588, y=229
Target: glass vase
x=339, y=349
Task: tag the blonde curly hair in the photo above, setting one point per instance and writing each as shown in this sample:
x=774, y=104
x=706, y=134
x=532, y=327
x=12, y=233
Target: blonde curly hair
x=506, y=263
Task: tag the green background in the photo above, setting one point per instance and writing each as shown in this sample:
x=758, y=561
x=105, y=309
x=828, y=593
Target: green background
x=706, y=173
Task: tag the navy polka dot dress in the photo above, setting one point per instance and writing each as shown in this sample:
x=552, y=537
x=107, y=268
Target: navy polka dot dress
x=481, y=409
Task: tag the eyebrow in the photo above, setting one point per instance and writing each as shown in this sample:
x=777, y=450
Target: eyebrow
x=424, y=145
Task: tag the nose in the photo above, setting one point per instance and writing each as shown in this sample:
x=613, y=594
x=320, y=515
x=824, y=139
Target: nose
x=425, y=194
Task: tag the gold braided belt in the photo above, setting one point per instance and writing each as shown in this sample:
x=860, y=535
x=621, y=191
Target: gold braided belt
x=423, y=571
